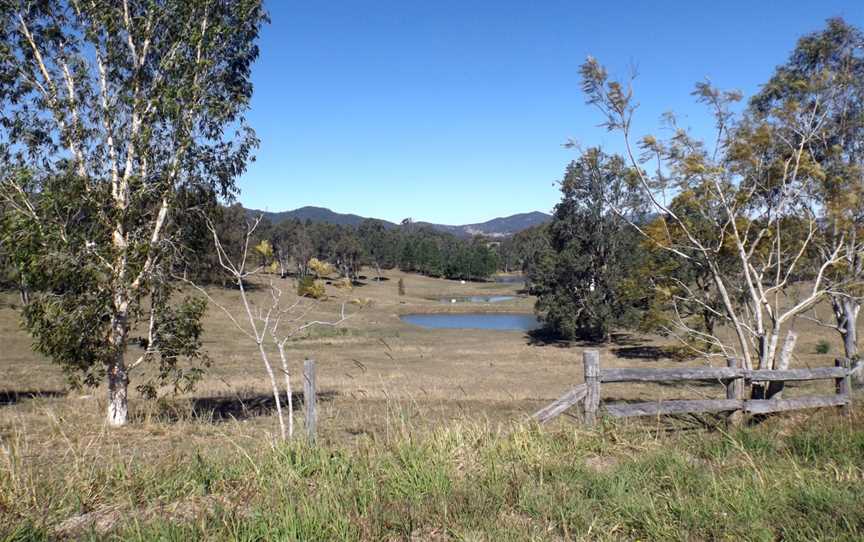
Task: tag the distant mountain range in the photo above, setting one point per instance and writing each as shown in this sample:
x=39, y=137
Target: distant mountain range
x=497, y=227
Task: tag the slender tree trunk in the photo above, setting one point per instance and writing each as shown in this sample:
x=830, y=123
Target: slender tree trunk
x=275, y=386
x=775, y=389
x=846, y=310
x=759, y=390
x=289, y=394
x=24, y=293
x=850, y=328
x=118, y=378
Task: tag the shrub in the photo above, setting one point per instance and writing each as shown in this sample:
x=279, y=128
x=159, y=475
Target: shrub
x=310, y=287
x=343, y=284
x=321, y=268
x=823, y=347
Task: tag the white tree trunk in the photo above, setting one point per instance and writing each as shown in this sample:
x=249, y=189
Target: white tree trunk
x=851, y=309
x=275, y=387
x=118, y=378
x=775, y=389
x=289, y=395
x=118, y=389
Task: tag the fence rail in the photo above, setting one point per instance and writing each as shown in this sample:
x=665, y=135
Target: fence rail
x=718, y=373
x=731, y=376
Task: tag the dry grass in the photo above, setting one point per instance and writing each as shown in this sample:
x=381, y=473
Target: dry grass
x=370, y=366
x=379, y=378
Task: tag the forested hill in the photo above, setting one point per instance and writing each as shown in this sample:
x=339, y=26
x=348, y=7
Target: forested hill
x=314, y=214
x=497, y=227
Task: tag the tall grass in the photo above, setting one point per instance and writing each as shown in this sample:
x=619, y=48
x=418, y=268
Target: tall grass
x=460, y=482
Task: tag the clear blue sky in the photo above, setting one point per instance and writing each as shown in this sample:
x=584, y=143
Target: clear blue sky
x=455, y=111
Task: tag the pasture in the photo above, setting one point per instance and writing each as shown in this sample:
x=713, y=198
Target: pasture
x=441, y=407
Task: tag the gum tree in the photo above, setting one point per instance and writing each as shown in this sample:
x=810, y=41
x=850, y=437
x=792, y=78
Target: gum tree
x=583, y=284
x=757, y=187
x=827, y=68
x=108, y=111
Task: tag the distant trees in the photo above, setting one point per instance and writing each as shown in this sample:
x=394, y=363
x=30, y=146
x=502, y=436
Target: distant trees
x=583, y=280
x=380, y=244
x=373, y=243
x=517, y=252
x=111, y=114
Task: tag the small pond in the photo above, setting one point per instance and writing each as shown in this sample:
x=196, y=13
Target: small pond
x=479, y=320
x=509, y=279
x=477, y=299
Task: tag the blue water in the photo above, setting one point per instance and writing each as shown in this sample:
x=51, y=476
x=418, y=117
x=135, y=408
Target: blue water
x=509, y=279
x=478, y=299
x=497, y=321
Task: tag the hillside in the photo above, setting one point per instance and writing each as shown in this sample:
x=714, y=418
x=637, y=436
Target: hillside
x=496, y=227
x=315, y=214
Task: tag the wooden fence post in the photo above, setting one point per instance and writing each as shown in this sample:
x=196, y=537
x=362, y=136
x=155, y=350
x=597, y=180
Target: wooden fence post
x=591, y=363
x=309, y=399
x=842, y=384
x=734, y=390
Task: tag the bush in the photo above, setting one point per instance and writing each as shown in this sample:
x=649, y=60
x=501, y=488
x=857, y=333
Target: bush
x=823, y=347
x=321, y=268
x=310, y=287
x=343, y=284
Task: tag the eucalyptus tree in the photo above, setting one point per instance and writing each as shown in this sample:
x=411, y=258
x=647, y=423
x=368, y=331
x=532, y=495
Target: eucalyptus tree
x=826, y=69
x=757, y=187
x=582, y=281
x=108, y=110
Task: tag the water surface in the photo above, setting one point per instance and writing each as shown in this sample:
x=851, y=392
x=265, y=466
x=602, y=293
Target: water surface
x=509, y=279
x=496, y=321
x=477, y=299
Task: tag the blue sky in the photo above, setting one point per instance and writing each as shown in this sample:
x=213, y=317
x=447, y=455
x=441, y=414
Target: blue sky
x=456, y=111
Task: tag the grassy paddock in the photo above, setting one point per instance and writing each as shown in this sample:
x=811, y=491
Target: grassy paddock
x=791, y=479
x=421, y=437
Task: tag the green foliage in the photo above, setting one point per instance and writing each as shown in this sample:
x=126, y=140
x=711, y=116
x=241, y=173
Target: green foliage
x=112, y=133
x=408, y=247
x=69, y=314
x=823, y=347
x=583, y=281
x=518, y=252
x=176, y=335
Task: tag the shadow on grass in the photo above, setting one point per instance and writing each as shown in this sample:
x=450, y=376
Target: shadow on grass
x=545, y=336
x=225, y=408
x=11, y=397
x=671, y=423
x=646, y=352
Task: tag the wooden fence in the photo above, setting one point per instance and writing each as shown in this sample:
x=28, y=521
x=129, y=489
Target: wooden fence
x=733, y=378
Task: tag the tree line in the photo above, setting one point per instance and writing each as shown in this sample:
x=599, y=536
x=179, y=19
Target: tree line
x=374, y=244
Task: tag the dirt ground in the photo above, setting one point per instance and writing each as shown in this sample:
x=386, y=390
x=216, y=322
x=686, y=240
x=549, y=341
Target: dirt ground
x=376, y=374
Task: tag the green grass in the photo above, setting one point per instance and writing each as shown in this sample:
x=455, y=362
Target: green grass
x=465, y=482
